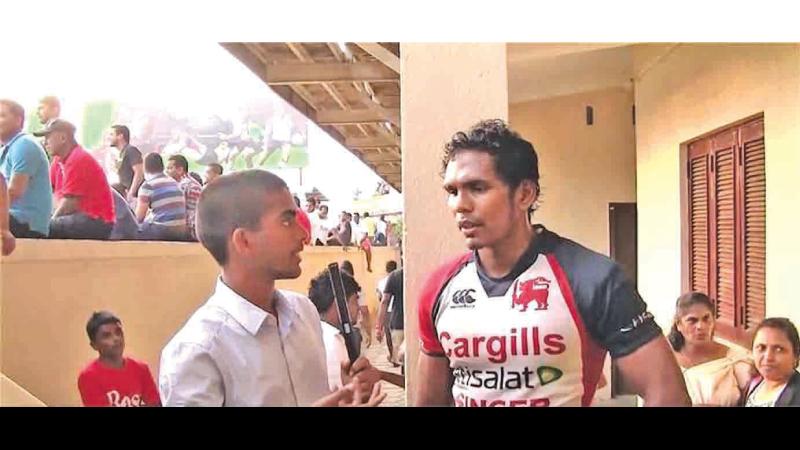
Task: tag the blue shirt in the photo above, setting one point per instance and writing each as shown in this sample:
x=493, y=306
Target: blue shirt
x=22, y=154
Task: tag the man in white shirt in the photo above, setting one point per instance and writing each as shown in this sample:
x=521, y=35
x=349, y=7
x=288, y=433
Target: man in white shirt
x=359, y=231
x=320, y=292
x=320, y=225
x=251, y=344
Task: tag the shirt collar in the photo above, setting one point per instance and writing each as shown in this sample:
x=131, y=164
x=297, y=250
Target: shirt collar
x=13, y=138
x=334, y=330
x=153, y=176
x=71, y=152
x=538, y=244
x=248, y=315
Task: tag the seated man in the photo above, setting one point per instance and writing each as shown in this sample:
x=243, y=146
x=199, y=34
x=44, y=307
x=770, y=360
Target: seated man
x=213, y=171
x=320, y=292
x=178, y=169
x=342, y=233
x=25, y=167
x=161, y=196
x=125, y=228
x=8, y=241
x=84, y=205
x=111, y=379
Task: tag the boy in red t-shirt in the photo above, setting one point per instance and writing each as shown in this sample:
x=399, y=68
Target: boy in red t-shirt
x=111, y=379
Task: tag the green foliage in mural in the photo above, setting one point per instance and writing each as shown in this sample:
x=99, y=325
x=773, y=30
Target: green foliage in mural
x=32, y=123
x=97, y=118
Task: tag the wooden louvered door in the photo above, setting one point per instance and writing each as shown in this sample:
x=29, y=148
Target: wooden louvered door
x=726, y=217
x=723, y=218
x=753, y=234
x=698, y=216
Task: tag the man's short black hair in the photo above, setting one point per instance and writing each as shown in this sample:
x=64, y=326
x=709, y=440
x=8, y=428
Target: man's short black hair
x=217, y=168
x=181, y=162
x=514, y=158
x=320, y=290
x=98, y=319
x=347, y=266
x=14, y=108
x=218, y=216
x=391, y=266
x=153, y=163
x=124, y=131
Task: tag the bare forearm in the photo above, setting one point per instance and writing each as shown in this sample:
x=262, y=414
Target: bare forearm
x=138, y=179
x=4, y=205
x=382, y=313
x=141, y=211
x=365, y=316
x=17, y=187
x=67, y=205
x=433, y=381
x=652, y=373
x=14, y=195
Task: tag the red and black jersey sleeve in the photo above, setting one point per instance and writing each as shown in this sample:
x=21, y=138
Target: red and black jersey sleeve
x=428, y=304
x=611, y=308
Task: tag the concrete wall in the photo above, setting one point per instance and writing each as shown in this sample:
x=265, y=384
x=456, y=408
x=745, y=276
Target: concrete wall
x=695, y=89
x=446, y=88
x=583, y=168
x=11, y=394
x=50, y=288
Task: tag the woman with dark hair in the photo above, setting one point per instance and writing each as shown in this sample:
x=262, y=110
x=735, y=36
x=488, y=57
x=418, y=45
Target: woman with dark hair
x=776, y=351
x=715, y=375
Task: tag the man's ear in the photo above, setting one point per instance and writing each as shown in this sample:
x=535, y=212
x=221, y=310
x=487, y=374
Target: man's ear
x=240, y=240
x=526, y=195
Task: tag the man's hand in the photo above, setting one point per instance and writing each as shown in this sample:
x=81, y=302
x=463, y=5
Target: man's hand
x=9, y=242
x=375, y=397
x=362, y=374
x=379, y=332
x=351, y=395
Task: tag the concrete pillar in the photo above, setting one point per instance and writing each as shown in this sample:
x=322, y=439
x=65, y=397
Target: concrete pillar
x=445, y=88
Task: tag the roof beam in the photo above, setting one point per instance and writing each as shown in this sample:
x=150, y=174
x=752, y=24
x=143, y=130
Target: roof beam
x=355, y=116
x=371, y=142
x=379, y=158
x=310, y=73
x=382, y=54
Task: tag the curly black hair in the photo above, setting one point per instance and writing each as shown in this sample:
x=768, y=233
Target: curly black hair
x=514, y=158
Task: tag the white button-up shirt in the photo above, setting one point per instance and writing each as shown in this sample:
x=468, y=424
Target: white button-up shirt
x=233, y=353
x=336, y=354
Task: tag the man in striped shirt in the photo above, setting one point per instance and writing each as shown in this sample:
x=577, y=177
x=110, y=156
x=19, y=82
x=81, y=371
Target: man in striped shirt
x=178, y=169
x=161, y=207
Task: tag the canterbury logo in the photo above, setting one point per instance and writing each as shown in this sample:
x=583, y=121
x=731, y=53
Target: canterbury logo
x=463, y=297
x=637, y=321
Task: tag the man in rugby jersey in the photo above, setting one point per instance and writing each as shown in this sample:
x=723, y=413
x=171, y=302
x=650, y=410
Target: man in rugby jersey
x=527, y=317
